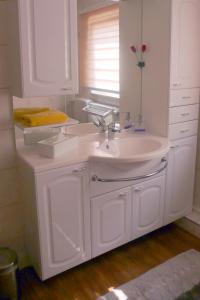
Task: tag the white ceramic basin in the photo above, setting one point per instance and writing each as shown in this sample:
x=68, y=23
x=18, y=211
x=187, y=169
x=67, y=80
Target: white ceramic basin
x=131, y=148
x=125, y=148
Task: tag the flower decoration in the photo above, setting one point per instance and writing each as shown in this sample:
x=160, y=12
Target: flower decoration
x=139, y=55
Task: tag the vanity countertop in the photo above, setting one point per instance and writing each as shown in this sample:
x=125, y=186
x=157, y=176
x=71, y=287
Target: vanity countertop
x=124, y=148
x=38, y=163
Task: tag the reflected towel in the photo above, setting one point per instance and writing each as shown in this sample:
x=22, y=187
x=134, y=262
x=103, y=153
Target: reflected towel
x=20, y=112
x=44, y=118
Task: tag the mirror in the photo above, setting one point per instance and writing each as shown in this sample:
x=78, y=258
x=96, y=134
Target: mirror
x=108, y=67
x=99, y=49
x=130, y=73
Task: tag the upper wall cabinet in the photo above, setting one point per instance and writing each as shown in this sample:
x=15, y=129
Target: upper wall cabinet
x=185, y=44
x=44, y=50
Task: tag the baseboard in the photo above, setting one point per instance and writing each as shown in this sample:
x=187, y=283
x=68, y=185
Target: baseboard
x=197, y=209
x=190, y=225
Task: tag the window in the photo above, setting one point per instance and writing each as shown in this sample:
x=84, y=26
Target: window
x=99, y=51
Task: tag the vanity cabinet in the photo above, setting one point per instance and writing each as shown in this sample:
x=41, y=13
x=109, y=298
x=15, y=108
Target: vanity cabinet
x=43, y=47
x=66, y=225
x=180, y=179
x=63, y=218
x=126, y=214
x=185, y=44
x=148, y=206
x=111, y=220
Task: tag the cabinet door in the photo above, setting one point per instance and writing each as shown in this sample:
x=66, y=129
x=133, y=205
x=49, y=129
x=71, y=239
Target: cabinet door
x=64, y=219
x=48, y=40
x=148, y=206
x=111, y=215
x=185, y=44
x=180, y=179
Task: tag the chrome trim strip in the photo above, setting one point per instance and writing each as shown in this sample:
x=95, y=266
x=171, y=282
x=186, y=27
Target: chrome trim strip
x=164, y=161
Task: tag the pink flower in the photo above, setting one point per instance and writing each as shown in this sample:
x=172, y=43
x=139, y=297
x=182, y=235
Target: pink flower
x=133, y=49
x=144, y=48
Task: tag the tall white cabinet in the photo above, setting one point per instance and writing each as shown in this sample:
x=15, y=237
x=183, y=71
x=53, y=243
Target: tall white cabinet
x=43, y=47
x=185, y=45
x=183, y=107
x=171, y=81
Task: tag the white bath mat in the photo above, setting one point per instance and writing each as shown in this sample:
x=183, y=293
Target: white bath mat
x=165, y=282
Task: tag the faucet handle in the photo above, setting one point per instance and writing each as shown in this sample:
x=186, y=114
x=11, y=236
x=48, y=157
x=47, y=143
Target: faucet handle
x=115, y=127
x=116, y=116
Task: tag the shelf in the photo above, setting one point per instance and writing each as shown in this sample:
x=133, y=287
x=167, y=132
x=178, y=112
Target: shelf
x=70, y=122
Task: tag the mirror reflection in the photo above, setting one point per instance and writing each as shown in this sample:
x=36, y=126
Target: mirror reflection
x=99, y=51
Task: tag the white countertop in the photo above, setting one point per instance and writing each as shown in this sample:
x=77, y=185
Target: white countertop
x=38, y=163
x=88, y=147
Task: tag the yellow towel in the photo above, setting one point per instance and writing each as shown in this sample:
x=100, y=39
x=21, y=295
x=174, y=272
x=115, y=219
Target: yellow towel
x=19, y=112
x=44, y=118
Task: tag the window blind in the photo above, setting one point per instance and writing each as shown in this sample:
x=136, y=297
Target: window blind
x=99, y=57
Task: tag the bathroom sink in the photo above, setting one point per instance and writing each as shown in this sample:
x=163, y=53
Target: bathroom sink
x=124, y=148
x=131, y=148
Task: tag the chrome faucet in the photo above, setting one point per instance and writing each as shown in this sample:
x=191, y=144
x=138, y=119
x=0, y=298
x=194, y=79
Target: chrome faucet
x=109, y=135
x=116, y=122
x=106, y=118
x=100, y=123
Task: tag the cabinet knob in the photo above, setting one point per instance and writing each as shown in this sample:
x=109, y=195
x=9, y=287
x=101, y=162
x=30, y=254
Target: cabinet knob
x=80, y=170
x=184, y=131
x=121, y=195
x=186, y=97
x=65, y=89
x=138, y=189
x=185, y=114
x=177, y=84
x=175, y=147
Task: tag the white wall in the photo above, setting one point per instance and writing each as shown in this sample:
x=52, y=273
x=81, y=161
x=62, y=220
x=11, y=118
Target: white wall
x=11, y=207
x=11, y=221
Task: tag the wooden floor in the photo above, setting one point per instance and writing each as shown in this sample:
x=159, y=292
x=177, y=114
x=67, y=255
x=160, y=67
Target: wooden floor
x=94, y=278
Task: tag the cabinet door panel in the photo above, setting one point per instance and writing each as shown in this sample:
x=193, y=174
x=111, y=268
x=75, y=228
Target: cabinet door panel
x=180, y=179
x=46, y=41
x=148, y=206
x=64, y=220
x=185, y=47
x=66, y=217
x=111, y=215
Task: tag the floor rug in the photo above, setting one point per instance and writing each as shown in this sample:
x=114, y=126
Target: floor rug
x=177, y=278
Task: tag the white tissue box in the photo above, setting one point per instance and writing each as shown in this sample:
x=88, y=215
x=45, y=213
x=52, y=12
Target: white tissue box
x=33, y=136
x=57, y=145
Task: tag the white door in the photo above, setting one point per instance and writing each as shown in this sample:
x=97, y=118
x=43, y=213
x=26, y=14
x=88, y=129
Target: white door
x=147, y=206
x=185, y=44
x=48, y=39
x=180, y=179
x=111, y=216
x=64, y=218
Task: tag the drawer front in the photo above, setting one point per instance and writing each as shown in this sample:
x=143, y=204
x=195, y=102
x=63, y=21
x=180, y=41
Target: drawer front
x=183, y=113
x=183, y=97
x=182, y=130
